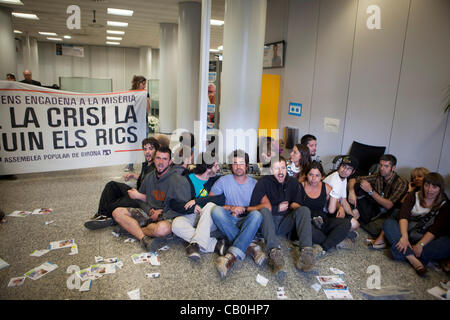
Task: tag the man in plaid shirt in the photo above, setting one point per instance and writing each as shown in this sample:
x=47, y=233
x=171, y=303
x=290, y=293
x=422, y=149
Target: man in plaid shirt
x=374, y=196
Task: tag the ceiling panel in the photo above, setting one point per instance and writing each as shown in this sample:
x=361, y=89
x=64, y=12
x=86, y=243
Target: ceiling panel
x=143, y=26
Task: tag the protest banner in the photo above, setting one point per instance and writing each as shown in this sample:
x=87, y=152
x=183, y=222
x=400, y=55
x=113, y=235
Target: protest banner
x=43, y=129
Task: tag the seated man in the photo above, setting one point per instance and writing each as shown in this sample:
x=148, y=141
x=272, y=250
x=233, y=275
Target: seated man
x=115, y=194
x=196, y=225
x=338, y=196
x=236, y=220
x=281, y=215
x=375, y=195
x=151, y=218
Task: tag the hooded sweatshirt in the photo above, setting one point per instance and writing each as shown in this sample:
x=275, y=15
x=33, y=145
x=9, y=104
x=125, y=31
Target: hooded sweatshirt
x=156, y=189
x=276, y=192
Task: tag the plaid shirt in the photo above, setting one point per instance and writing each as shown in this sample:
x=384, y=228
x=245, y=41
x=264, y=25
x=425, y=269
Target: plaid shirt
x=393, y=189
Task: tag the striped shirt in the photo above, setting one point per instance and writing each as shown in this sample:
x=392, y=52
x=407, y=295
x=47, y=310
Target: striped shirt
x=393, y=189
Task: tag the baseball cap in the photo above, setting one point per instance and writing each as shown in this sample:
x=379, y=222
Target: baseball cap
x=350, y=161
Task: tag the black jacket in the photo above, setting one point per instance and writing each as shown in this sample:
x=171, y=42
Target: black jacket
x=276, y=192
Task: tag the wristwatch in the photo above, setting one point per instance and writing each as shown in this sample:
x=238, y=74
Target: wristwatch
x=370, y=192
x=421, y=244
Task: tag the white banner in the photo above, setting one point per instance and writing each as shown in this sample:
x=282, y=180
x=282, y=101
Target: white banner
x=47, y=130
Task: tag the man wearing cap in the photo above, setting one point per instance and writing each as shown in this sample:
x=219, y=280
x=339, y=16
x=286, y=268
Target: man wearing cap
x=338, y=196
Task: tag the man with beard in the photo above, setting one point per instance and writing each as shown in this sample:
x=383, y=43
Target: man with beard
x=151, y=218
x=281, y=215
x=238, y=221
x=376, y=195
x=115, y=194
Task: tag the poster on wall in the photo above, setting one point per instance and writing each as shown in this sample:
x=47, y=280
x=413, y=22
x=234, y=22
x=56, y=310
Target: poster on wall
x=48, y=130
x=274, y=54
x=69, y=50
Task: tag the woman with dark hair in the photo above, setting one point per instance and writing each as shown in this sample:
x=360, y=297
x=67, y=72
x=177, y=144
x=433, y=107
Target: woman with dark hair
x=140, y=83
x=424, y=221
x=300, y=159
x=327, y=230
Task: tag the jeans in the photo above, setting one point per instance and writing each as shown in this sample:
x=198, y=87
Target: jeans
x=333, y=231
x=239, y=231
x=435, y=250
x=272, y=226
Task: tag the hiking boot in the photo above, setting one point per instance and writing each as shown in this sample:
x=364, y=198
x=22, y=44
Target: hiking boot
x=318, y=251
x=220, y=247
x=99, y=222
x=193, y=251
x=257, y=253
x=306, y=260
x=276, y=261
x=146, y=242
x=345, y=244
x=224, y=264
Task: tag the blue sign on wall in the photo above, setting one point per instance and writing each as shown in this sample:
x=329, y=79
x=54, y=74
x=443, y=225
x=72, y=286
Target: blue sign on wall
x=295, y=109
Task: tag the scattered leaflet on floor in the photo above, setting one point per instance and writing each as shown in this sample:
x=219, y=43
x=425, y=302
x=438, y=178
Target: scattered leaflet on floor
x=333, y=279
x=74, y=249
x=20, y=214
x=149, y=257
x=439, y=293
x=337, y=271
x=40, y=271
x=61, y=244
x=261, y=280
x=153, y=275
x=281, y=294
x=43, y=211
x=16, y=282
x=338, y=293
x=3, y=264
x=86, y=286
x=135, y=294
x=316, y=287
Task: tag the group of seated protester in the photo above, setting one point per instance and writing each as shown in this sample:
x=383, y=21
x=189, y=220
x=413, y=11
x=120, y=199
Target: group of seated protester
x=236, y=214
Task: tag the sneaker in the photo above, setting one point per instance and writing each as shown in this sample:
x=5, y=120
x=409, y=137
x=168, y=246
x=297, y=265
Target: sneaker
x=220, y=247
x=100, y=223
x=276, y=261
x=224, y=264
x=146, y=242
x=306, y=260
x=318, y=251
x=318, y=222
x=257, y=253
x=345, y=244
x=193, y=251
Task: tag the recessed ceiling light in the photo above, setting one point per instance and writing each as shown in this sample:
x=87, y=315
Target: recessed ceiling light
x=114, y=38
x=17, y=31
x=120, y=12
x=25, y=15
x=47, y=33
x=12, y=2
x=112, y=42
x=217, y=22
x=117, y=24
x=54, y=39
x=115, y=32
x=67, y=37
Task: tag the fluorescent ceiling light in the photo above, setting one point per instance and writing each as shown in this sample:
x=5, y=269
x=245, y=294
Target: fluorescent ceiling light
x=17, y=31
x=12, y=2
x=25, y=15
x=112, y=42
x=220, y=48
x=213, y=50
x=217, y=22
x=67, y=37
x=54, y=39
x=114, y=38
x=117, y=24
x=47, y=33
x=120, y=12
x=115, y=32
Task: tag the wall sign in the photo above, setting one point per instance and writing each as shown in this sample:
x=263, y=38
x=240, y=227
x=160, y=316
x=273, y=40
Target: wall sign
x=295, y=109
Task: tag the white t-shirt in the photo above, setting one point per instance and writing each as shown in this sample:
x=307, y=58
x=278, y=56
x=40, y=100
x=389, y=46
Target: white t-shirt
x=339, y=186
